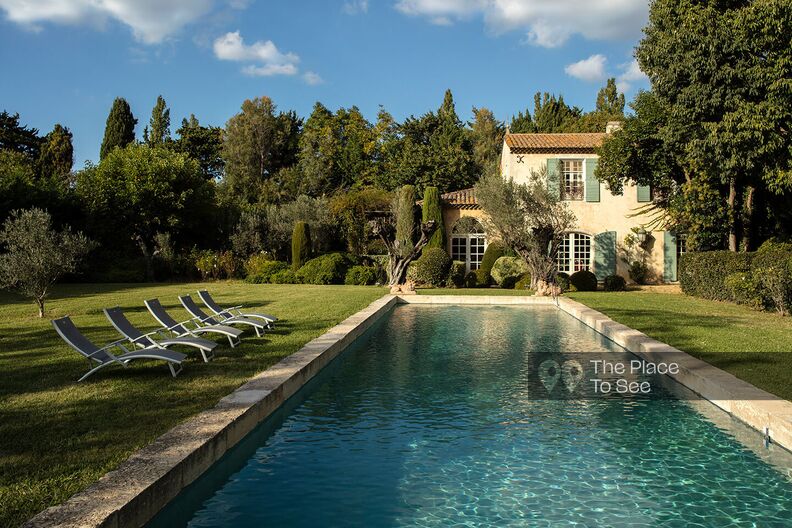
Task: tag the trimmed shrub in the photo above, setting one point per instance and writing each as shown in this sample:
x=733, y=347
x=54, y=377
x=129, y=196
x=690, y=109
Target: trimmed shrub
x=639, y=271
x=471, y=280
x=744, y=289
x=284, y=276
x=524, y=282
x=301, y=245
x=702, y=274
x=362, y=276
x=431, y=210
x=507, y=270
x=432, y=266
x=262, y=271
x=456, y=275
x=326, y=269
x=775, y=244
x=615, y=283
x=493, y=252
x=583, y=281
x=562, y=279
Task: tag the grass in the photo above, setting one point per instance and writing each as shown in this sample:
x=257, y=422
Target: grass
x=58, y=436
x=744, y=342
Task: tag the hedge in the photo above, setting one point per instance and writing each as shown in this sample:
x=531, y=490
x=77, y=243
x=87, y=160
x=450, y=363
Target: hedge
x=432, y=267
x=493, y=252
x=362, y=276
x=456, y=275
x=702, y=274
x=327, y=269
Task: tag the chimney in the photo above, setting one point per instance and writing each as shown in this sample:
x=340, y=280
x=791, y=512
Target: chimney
x=613, y=126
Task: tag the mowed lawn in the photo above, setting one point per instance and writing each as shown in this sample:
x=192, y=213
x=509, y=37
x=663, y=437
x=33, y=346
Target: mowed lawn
x=754, y=346
x=58, y=436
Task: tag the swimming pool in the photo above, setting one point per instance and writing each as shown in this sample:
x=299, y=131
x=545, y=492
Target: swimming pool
x=437, y=417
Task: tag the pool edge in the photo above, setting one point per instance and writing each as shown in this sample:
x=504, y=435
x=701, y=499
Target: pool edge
x=150, y=478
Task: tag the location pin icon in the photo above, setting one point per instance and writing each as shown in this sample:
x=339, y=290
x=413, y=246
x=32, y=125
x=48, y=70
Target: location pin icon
x=549, y=372
x=572, y=373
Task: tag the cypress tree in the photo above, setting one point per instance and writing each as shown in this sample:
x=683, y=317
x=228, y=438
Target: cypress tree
x=403, y=210
x=120, y=127
x=433, y=211
x=301, y=245
x=159, y=125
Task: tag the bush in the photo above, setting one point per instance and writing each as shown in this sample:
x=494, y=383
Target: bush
x=432, y=267
x=432, y=210
x=776, y=284
x=456, y=275
x=326, y=269
x=362, y=276
x=615, y=283
x=639, y=271
x=507, y=271
x=301, y=245
x=583, y=281
x=215, y=265
x=493, y=252
x=471, y=280
x=743, y=288
x=562, y=279
x=524, y=282
x=702, y=274
x=284, y=276
x=775, y=244
x=260, y=270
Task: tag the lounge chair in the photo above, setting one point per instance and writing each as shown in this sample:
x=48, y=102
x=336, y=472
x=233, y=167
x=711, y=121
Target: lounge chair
x=138, y=338
x=69, y=333
x=201, y=317
x=226, y=313
x=182, y=330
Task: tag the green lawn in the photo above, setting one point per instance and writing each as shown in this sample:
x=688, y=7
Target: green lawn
x=744, y=342
x=57, y=436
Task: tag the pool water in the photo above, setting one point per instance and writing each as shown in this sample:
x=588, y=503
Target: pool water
x=436, y=417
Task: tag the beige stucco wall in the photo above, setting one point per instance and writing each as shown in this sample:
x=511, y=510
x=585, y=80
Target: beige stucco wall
x=611, y=213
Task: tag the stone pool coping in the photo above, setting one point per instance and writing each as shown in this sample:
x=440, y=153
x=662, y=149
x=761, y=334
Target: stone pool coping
x=140, y=487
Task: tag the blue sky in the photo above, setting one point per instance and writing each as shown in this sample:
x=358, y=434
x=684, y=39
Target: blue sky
x=66, y=60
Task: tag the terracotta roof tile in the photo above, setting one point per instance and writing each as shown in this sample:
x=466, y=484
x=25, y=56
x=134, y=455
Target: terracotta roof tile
x=462, y=199
x=555, y=142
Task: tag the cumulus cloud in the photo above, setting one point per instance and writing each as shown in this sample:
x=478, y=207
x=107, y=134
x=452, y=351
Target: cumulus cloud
x=355, y=7
x=630, y=73
x=151, y=21
x=312, y=78
x=265, y=58
x=547, y=23
x=591, y=69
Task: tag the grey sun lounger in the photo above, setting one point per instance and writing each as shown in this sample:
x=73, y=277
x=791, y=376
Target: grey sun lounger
x=136, y=337
x=227, y=313
x=200, y=316
x=69, y=333
x=183, y=330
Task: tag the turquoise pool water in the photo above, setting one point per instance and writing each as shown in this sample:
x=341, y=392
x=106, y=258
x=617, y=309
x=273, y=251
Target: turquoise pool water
x=436, y=417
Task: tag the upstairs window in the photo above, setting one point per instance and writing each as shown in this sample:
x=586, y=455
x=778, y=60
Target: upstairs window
x=572, y=174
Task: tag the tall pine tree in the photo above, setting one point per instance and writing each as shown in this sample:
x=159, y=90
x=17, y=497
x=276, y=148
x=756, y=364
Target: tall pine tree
x=158, y=131
x=120, y=127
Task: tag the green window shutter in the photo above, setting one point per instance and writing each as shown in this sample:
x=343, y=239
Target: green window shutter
x=644, y=193
x=605, y=254
x=669, y=257
x=554, y=177
x=592, y=183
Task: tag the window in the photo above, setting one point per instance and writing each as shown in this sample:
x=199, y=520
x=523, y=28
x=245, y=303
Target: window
x=468, y=243
x=572, y=172
x=574, y=253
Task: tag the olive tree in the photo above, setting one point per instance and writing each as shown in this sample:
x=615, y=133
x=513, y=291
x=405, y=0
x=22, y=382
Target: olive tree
x=36, y=255
x=528, y=217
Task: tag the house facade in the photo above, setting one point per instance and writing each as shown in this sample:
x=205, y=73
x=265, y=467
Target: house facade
x=609, y=230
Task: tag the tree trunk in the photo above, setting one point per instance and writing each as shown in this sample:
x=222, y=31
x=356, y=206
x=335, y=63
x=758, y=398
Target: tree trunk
x=40, y=304
x=733, y=230
x=147, y=257
x=397, y=264
x=748, y=224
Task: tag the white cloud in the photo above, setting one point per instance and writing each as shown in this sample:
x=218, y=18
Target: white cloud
x=547, y=23
x=312, y=78
x=266, y=58
x=591, y=69
x=151, y=21
x=354, y=7
x=631, y=72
